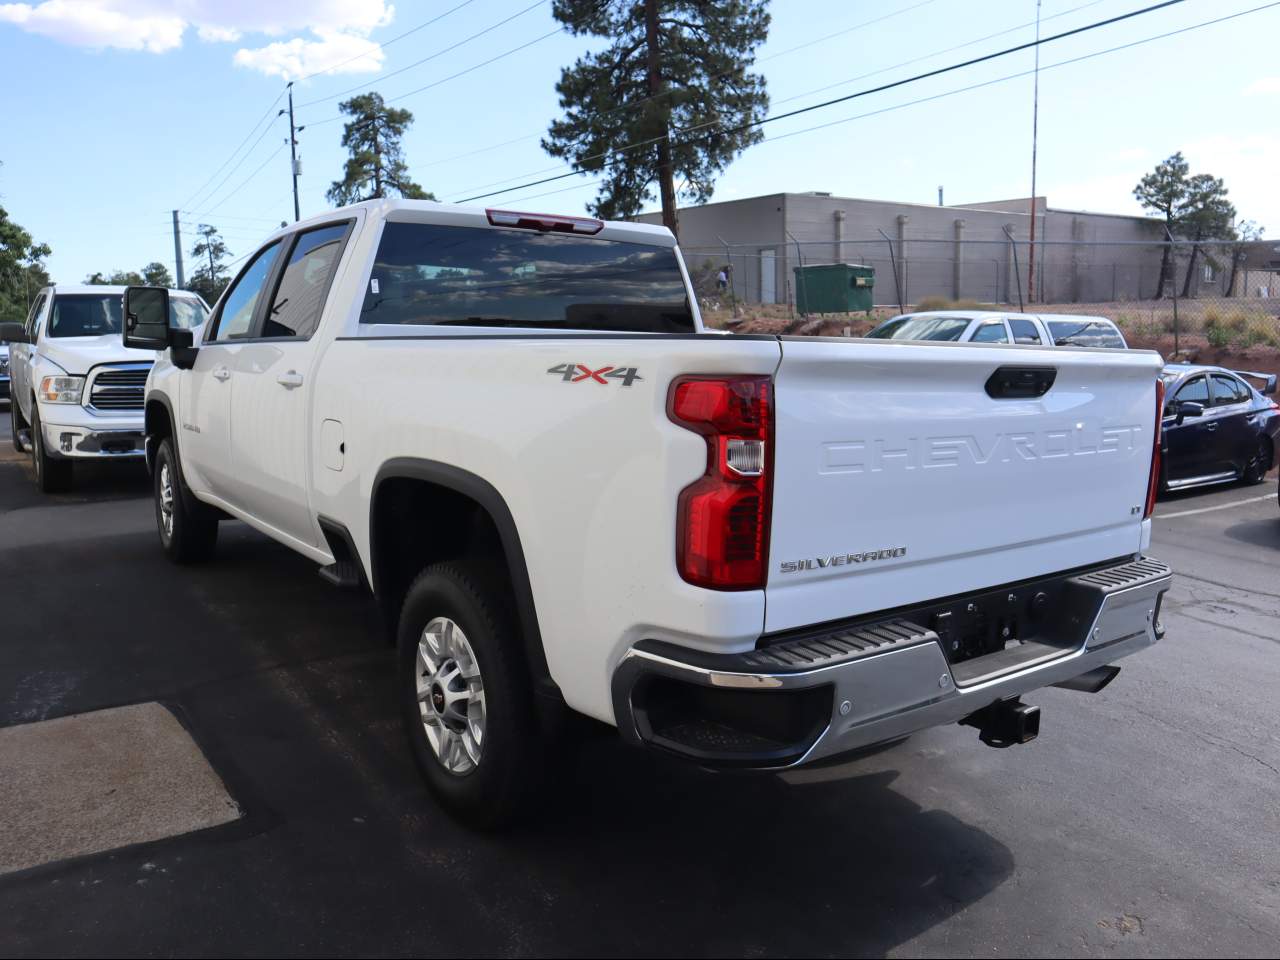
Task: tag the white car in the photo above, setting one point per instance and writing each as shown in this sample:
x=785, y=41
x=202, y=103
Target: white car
x=984, y=326
x=76, y=389
x=748, y=552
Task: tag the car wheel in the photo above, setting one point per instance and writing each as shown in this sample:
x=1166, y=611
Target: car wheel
x=188, y=528
x=53, y=474
x=1256, y=469
x=465, y=695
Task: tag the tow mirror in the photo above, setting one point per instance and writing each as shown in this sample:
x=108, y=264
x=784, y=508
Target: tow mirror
x=1189, y=408
x=12, y=332
x=146, y=318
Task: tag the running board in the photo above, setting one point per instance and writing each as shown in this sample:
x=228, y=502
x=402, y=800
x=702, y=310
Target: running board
x=344, y=573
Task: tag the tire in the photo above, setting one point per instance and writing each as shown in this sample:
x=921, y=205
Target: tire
x=188, y=528
x=53, y=474
x=1255, y=471
x=459, y=649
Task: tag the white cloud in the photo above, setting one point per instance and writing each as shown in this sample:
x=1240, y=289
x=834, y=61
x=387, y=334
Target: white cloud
x=1263, y=86
x=339, y=28
x=290, y=59
x=86, y=23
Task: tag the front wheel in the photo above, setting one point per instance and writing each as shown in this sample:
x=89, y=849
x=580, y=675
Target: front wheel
x=53, y=474
x=1256, y=469
x=188, y=528
x=465, y=695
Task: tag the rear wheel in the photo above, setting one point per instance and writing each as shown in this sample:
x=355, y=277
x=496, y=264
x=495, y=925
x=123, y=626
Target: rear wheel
x=465, y=695
x=1256, y=469
x=53, y=474
x=188, y=528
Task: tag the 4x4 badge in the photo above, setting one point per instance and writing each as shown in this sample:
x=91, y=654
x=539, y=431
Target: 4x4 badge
x=581, y=373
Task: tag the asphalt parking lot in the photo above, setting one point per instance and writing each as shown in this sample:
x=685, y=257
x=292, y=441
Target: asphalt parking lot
x=1143, y=822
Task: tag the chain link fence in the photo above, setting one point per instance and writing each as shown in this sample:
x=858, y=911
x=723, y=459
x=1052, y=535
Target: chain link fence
x=1210, y=300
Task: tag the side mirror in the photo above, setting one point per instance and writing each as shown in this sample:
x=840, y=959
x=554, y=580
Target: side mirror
x=146, y=318
x=1189, y=408
x=12, y=332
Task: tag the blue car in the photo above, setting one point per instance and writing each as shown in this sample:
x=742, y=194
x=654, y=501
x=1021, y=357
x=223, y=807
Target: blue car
x=1217, y=427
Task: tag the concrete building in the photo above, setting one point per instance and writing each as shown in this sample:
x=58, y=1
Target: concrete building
x=958, y=251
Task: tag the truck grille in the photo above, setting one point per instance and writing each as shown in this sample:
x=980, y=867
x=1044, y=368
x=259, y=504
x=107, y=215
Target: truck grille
x=119, y=389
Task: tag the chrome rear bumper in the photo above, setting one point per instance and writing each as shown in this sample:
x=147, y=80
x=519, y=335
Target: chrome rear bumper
x=845, y=688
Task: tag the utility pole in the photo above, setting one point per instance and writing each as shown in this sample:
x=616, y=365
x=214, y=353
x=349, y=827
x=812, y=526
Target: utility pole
x=293, y=152
x=177, y=249
x=1035, y=129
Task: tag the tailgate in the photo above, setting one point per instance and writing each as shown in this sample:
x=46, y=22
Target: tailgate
x=899, y=479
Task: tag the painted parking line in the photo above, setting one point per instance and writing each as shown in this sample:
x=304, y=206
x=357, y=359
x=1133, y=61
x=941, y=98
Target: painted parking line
x=1221, y=506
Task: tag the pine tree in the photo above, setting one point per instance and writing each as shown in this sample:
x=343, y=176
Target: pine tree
x=666, y=101
x=1163, y=191
x=376, y=166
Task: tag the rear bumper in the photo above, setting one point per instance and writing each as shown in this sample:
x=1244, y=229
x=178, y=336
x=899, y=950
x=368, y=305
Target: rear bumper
x=850, y=687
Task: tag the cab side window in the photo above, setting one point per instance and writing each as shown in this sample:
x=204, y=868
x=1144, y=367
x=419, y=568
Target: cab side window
x=235, y=317
x=1228, y=390
x=1024, y=331
x=304, y=283
x=991, y=332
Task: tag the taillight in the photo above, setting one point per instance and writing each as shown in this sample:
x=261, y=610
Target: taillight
x=1153, y=482
x=722, y=518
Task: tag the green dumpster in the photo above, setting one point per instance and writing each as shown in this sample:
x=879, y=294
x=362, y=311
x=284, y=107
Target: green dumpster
x=834, y=288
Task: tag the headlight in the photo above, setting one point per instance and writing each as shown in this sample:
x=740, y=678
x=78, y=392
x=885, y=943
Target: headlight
x=61, y=389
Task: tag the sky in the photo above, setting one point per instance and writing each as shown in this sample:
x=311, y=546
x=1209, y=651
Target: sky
x=119, y=111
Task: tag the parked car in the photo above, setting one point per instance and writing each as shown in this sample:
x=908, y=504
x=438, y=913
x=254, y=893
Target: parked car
x=1217, y=427
x=77, y=390
x=746, y=552
x=982, y=326
x=4, y=371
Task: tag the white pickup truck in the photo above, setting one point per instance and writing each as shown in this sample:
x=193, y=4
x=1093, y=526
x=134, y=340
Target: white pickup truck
x=76, y=391
x=750, y=552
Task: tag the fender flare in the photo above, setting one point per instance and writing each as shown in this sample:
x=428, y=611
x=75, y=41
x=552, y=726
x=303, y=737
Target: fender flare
x=491, y=501
x=149, y=441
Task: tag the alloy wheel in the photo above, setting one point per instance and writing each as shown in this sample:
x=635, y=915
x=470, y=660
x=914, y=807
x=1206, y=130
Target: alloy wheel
x=450, y=696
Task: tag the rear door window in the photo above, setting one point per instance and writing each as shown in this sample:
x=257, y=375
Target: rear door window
x=1228, y=390
x=992, y=331
x=481, y=277
x=1024, y=331
x=304, y=283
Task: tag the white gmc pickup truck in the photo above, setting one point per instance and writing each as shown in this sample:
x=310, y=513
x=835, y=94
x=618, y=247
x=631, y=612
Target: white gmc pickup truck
x=750, y=552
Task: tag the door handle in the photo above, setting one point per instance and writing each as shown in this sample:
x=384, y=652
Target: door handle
x=221, y=373
x=290, y=380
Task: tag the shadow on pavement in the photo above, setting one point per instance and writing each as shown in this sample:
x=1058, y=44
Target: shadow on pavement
x=287, y=686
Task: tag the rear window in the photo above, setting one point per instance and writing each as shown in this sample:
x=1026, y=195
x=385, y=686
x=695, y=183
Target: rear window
x=1088, y=333
x=921, y=328
x=478, y=277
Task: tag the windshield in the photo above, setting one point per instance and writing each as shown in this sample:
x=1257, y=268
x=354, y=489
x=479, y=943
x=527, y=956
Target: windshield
x=473, y=276
x=85, y=315
x=921, y=328
x=97, y=314
x=1089, y=333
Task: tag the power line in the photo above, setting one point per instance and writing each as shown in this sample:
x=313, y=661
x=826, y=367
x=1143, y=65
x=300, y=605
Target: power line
x=427, y=59
x=251, y=132
x=239, y=163
x=246, y=180
x=790, y=99
x=670, y=90
x=837, y=100
x=460, y=73
x=387, y=43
